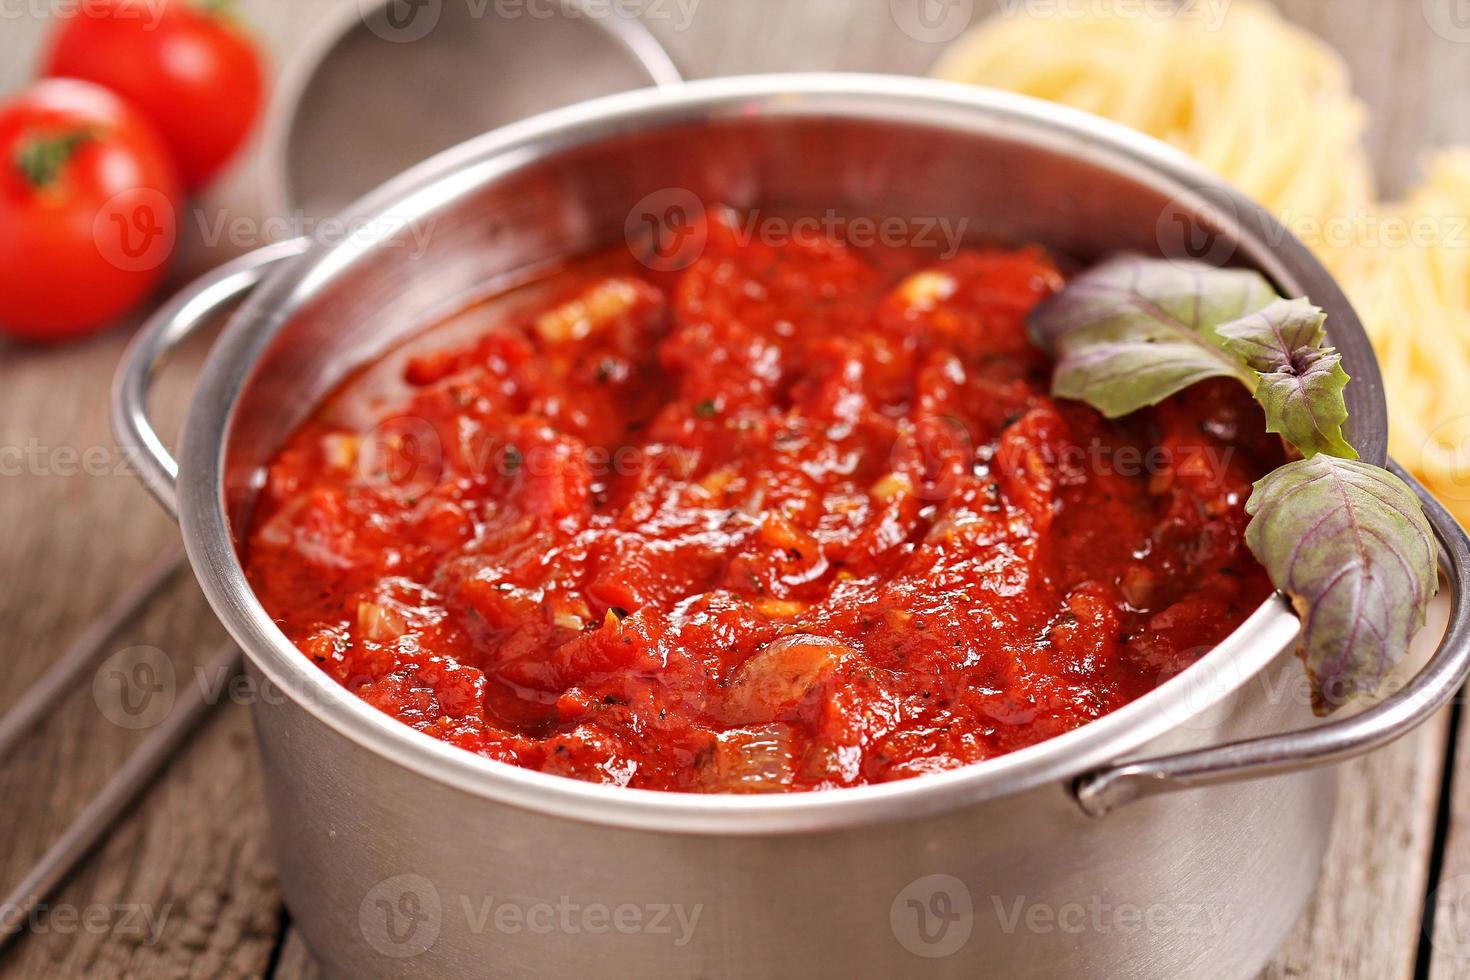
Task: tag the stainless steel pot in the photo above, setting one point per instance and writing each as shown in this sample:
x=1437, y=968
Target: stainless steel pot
x=403, y=856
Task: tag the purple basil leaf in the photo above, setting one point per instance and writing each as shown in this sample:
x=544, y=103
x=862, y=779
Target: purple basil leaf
x=1349, y=544
x=1301, y=382
x=1132, y=331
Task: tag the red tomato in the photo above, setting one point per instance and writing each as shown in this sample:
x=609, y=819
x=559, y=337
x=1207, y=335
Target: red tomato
x=188, y=67
x=88, y=209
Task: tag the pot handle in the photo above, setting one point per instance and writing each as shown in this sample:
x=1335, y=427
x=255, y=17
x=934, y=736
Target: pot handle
x=1104, y=790
x=170, y=326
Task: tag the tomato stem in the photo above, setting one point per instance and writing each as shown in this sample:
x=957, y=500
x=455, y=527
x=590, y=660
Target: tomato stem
x=40, y=159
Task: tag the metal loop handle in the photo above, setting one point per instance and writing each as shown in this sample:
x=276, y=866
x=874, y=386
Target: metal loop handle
x=1104, y=790
x=174, y=323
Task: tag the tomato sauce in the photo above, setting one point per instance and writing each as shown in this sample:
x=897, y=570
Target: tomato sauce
x=797, y=516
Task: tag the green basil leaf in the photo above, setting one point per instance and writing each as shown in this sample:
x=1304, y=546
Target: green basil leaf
x=1350, y=545
x=1300, y=381
x=1133, y=331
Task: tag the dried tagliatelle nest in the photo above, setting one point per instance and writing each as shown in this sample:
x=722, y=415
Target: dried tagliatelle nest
x=1270, y=107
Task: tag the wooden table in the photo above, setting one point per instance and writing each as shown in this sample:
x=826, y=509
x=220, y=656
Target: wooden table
x=185, y=883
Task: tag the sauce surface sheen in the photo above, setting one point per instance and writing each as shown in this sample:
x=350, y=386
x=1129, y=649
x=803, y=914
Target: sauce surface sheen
x=797, y=516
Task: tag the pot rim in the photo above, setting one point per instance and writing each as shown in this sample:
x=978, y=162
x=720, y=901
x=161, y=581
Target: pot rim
x=1057, y=761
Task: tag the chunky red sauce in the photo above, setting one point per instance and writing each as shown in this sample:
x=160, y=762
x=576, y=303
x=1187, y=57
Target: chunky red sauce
x=796, y=517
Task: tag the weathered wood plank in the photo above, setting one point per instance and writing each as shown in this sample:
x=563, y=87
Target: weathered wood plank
x=1366, y=918
x=1364, y=921
x=184, y=886
x=1450, y=897
x=191, y=855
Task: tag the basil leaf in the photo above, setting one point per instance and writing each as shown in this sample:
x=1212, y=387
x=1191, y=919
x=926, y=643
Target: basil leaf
x=1300, y=381
x=1133, y=331
x=1348, y=542
x=1350, y=545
